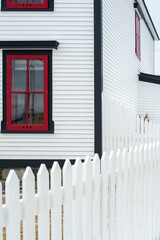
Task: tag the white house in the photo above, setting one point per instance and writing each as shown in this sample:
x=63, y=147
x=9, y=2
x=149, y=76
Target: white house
x=57, y=57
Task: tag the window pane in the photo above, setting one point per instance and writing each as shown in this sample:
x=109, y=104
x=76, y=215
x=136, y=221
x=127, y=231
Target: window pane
x=36, y=1
x=18, y=108
x=19, y=1
x=36, y=72
x=35, y=108
x=19, y=74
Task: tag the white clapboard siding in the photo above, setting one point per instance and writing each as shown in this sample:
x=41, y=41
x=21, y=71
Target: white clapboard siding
x=43, y=203
x=56, y=202
x=28, y=183
x=115, y=198
x=121, y=66
x=72, y=25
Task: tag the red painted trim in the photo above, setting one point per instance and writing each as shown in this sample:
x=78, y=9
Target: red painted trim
x=137, y=36
x=27, y=5
x=27, y=127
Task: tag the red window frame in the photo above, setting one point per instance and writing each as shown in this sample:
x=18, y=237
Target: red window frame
x=27, y=5
x=137, y=36
x=27, y=127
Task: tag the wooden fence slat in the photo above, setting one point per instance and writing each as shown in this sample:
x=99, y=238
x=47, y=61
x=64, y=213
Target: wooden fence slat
x=96, y=197
x=87, y=203
x=43, y=197
x=1, y=234
x=13, y=207
x=112, y=160
x=125, y=193
x=78, y=201
x=104, y=197
x=119, y=199
x=56, y=209
x=68, y=201
x=28, y=183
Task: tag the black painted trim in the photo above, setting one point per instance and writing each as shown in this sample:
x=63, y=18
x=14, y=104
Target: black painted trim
x=98, y=84
x=50, y=7
x=34, y=52
x=144, y=77
x=29, y=44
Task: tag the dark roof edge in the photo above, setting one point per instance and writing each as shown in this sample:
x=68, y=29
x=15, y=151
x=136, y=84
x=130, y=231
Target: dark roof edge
x=144, y=77
x=148, y=20
x=29, y=44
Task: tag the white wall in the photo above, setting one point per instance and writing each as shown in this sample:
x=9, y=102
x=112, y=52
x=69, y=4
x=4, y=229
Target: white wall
x=71, y=24
x=121, y=66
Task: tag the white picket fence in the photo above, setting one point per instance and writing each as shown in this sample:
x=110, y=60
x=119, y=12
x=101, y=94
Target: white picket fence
x=117, y=198
x=124, y=128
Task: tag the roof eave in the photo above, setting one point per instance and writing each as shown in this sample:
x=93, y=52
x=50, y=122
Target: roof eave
x=148, y=19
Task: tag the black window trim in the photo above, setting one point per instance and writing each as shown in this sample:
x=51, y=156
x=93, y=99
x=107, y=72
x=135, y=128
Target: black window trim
x=28, y=52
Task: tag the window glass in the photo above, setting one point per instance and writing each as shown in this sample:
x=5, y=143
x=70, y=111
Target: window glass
x=36, y=108
x=19, y=74
x=18, y=108
x=36, y=75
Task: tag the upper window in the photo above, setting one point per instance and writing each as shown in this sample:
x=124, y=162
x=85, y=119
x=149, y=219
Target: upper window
x=27, y=5
x=137, y=36
x=27, y=93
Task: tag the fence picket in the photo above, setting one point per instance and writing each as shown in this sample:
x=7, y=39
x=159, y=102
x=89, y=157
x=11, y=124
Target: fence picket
x=96, y=197
x=56, y=206
x=68, y=201
x=112, y=160
x=78, y=201
x=43, y=203
x=87, y=200
x=28, y=183
x=104, y=197
x=13, y=207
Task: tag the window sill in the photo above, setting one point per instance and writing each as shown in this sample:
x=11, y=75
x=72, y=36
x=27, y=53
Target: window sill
x=4, y=130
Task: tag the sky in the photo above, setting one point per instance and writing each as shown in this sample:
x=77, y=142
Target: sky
x=154, y=9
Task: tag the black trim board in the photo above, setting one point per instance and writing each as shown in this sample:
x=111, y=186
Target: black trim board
x=98, y=84
x=50, y=7
x=23, y=163
x=144, y=77
x=29, y=44
x=27, y=52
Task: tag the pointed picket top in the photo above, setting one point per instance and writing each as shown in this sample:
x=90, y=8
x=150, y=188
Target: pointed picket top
x=119, y=159
x=28, y=174
x=55, y=168
x=135, y=155
x=96, y=159
x=104, y=157
x=67, y=165
x=12, y=177
x=112, y=161
x=43, y=171
x=124, y=158
x=78, y=162
x=87, y=160
x=131, y=157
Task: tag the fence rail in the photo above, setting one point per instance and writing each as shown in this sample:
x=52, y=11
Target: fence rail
x=124, y=128
x=117, y=198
